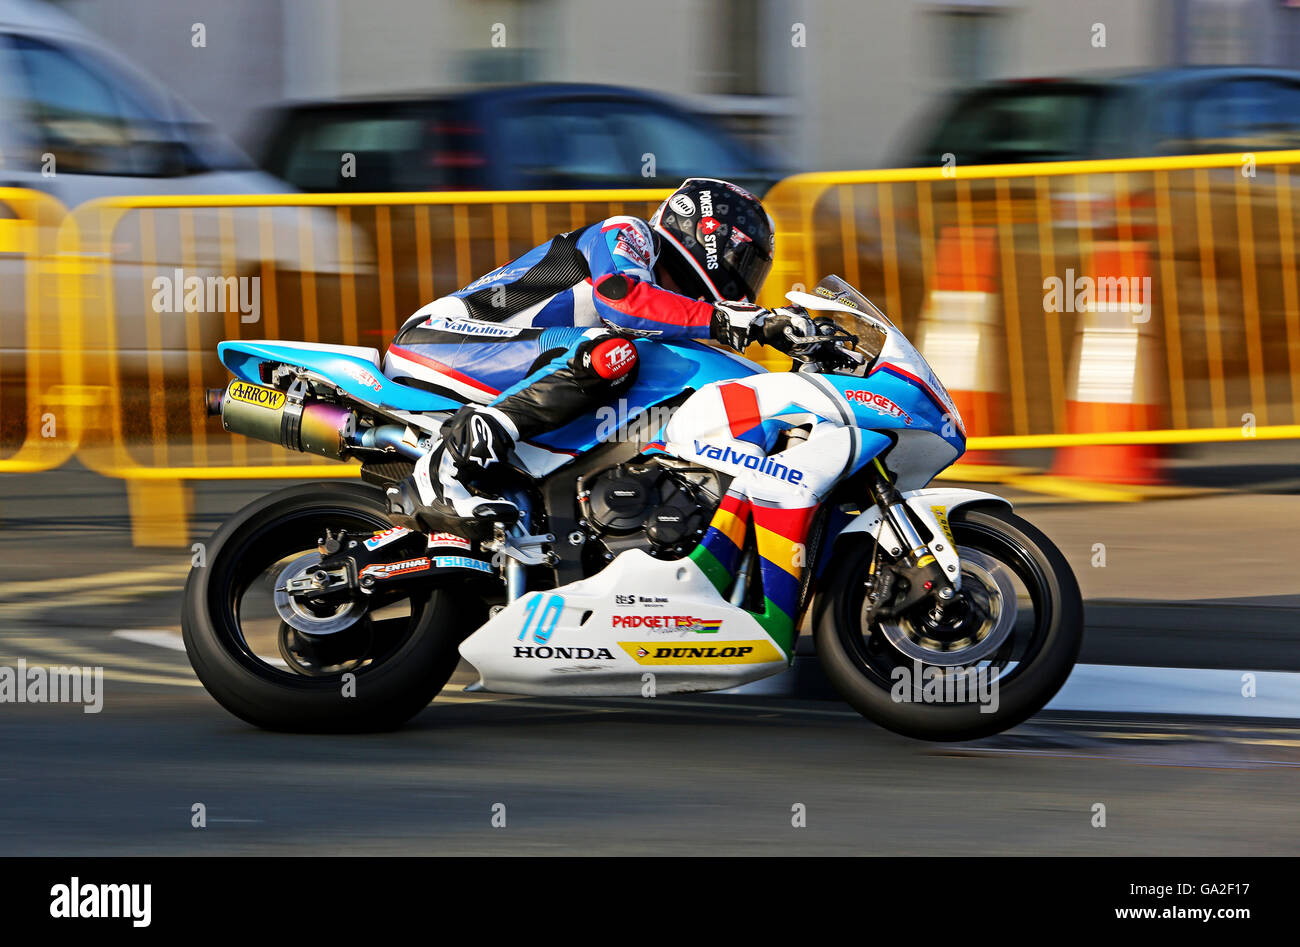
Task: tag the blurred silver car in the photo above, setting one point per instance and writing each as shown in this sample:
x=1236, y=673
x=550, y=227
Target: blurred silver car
x=78, y=122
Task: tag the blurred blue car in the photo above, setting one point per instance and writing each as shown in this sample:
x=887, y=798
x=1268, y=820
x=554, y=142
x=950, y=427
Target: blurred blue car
x=516, y=137
x=1184, y=111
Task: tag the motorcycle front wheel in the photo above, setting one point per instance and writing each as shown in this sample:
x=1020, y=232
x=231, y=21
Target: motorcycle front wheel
x=362, y=666
x=985, y=663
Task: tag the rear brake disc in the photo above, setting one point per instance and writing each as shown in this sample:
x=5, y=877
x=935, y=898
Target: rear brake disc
x=297, y=609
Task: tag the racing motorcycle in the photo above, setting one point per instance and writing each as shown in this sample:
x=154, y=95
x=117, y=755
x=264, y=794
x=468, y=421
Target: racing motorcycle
x=677, y=542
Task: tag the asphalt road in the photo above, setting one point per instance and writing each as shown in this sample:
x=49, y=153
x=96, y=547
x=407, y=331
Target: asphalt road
x=708, y=774
x=679, y=776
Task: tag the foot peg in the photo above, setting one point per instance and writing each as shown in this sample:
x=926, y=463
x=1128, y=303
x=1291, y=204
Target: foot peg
x=470, y=516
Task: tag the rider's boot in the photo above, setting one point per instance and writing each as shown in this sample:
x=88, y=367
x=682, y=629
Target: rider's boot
x=443, y=494
x=447, y=491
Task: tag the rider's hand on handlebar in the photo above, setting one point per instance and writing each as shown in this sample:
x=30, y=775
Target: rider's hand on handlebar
x=740, y=324
x=733, y=323
x=784, y=329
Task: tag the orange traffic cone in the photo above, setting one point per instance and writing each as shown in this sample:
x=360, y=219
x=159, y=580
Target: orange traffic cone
x=1113, y=373
x=961, y=334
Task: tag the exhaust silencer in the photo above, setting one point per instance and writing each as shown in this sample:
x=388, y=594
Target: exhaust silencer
x=269, y=415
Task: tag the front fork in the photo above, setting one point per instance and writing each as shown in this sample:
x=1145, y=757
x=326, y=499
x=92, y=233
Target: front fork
x=919, y=561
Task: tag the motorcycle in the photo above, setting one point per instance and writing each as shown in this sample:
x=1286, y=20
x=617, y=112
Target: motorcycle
x=677, y=542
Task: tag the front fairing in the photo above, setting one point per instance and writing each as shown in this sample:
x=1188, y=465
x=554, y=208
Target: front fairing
x=892, y=398
x=895, y=388
x=900, y=359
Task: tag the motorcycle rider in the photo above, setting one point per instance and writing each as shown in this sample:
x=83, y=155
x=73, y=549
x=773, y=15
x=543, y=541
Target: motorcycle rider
x=547, y=337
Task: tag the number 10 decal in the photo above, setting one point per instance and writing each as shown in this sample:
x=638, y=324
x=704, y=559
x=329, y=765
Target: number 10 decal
x=546, y=623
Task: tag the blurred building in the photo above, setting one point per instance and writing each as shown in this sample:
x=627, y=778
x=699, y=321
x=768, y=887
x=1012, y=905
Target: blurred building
x=827, y=83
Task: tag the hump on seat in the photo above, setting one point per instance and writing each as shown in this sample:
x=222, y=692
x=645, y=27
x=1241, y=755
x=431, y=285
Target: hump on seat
x=366, y=353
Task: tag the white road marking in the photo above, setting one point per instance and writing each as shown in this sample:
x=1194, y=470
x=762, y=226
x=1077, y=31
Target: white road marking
x=1195, y=691
x=1091, y=687
x=1113, y=688
x=162, y=637
x=117, y=667
x=171, y=640
x=83, y=654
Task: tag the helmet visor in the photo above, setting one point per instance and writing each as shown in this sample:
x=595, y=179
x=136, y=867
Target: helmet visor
x=750, y=264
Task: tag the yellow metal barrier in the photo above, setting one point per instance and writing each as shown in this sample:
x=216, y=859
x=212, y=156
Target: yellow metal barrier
x=166, y=278
x=121, y=354
x=1217, y=325
x=41, y=403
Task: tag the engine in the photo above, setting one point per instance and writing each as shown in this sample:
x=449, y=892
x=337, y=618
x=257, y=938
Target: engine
x=658, y=506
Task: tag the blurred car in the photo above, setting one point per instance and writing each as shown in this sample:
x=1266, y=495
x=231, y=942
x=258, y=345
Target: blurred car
x=1215, y=242
x=1194, y=110
x=78, y=122
x=106, y=128
x=519, y=137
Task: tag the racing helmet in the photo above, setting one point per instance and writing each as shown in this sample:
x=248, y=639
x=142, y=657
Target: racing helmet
x=715, y=240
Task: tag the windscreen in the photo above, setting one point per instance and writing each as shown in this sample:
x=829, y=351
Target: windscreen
x=871, y=329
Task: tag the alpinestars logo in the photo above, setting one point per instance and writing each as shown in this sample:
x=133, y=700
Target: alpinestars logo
x=708, y=230
x=481, y=443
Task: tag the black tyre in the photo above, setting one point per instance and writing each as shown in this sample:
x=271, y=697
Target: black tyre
x=1031, y=615
x=400, y=653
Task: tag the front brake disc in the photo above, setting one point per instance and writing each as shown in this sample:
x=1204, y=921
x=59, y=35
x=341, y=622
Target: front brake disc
x=991, y=592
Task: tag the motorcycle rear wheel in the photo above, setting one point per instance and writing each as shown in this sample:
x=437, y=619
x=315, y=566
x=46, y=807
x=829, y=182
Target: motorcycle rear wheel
x=398, y=665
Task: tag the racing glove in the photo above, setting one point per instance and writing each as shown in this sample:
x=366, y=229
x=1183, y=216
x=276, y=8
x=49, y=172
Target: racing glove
x=774, y=329
x=733, y=323
x=740, y=324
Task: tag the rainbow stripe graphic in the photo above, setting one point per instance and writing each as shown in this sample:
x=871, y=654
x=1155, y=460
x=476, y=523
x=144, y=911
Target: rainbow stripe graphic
x=718, y=554
x=779, y=535
x=703, y=626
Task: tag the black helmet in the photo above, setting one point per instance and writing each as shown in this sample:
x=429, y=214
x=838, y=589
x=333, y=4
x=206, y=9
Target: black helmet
x=716, y=240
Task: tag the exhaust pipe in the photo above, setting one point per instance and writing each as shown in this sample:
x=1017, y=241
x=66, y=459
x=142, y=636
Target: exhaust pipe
x=268, y=415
